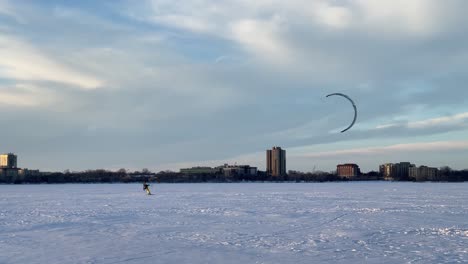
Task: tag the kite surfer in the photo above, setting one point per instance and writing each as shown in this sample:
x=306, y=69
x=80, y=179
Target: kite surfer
x=146, y=188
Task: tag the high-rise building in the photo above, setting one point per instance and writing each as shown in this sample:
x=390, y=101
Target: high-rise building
x=396, y=171
x=276, y=161
x=386, y=170
x=401, y=170
x=348, y=170
x=8, y=168
x=8, y=161
x=423, y=173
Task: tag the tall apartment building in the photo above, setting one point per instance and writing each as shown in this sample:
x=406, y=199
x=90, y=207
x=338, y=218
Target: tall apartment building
x=386, y=170
x=396, y=171
x=8, y=168
x=401, y=170
x=423, y=173
x=9, y=161
x=276, y=161
x=348, y=170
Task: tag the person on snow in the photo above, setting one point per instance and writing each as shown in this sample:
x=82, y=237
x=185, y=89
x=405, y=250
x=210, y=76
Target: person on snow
x=146, y=188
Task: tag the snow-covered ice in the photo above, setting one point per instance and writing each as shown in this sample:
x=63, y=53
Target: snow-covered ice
x=354, y=222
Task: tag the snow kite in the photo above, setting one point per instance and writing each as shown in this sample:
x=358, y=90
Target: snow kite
x=354, y=106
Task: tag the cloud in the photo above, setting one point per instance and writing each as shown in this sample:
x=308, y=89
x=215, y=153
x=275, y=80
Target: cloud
x=26, y=95
x=329, y=15
x=436, y=146
x=261, y=37
x=457, y=119
x=321, y=39
x=393, y=18
x=386, y=126
x=383, y=17
x=21, y=61
x=440, y=121
x=399, y=16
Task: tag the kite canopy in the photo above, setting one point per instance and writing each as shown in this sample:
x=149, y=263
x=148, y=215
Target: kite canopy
x=354, y=106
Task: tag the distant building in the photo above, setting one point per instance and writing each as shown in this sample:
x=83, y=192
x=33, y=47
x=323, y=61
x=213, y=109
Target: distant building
x=27, y=172
x=396, y=171
x=276, y=161
x=9, y=175
x=401, y=170
x=348, y=170
x=423, y=173
x=386, y=171
x=240, y=170
x=9, y=161
x=199, y=170
x=8, y=168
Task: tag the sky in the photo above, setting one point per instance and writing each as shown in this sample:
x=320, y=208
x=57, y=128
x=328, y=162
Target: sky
x=166, y=84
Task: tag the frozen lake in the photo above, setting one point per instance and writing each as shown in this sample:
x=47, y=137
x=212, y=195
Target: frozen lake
x=358, y=222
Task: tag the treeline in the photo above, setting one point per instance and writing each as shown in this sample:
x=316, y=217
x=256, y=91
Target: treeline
x=260, y=177
x=449, y=175
x=316, y=176
x=123, y=176
x=88, y=176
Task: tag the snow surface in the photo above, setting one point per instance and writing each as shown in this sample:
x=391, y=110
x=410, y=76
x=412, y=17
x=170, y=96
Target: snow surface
x=355, y=222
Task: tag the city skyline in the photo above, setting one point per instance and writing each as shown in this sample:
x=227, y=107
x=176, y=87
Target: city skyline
x=275, y=165
x=166, y=85
x=276, y=172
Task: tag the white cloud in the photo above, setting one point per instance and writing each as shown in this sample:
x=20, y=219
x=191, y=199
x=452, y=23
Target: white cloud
x=415, y=16
x=264, y=28
x=237, y=21
x=440, y=121
x=410, y=147
x=21, y=61
x=386, y=126
x=382, y=16
x=26, y=95
x=261, y=37
x=339, y=17
x=456, y=119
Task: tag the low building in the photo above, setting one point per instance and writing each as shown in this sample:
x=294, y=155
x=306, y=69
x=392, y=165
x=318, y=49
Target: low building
x=348, y=170
x=28, y=172
x=9, y=175
x=240, y=170
x=199, y=170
